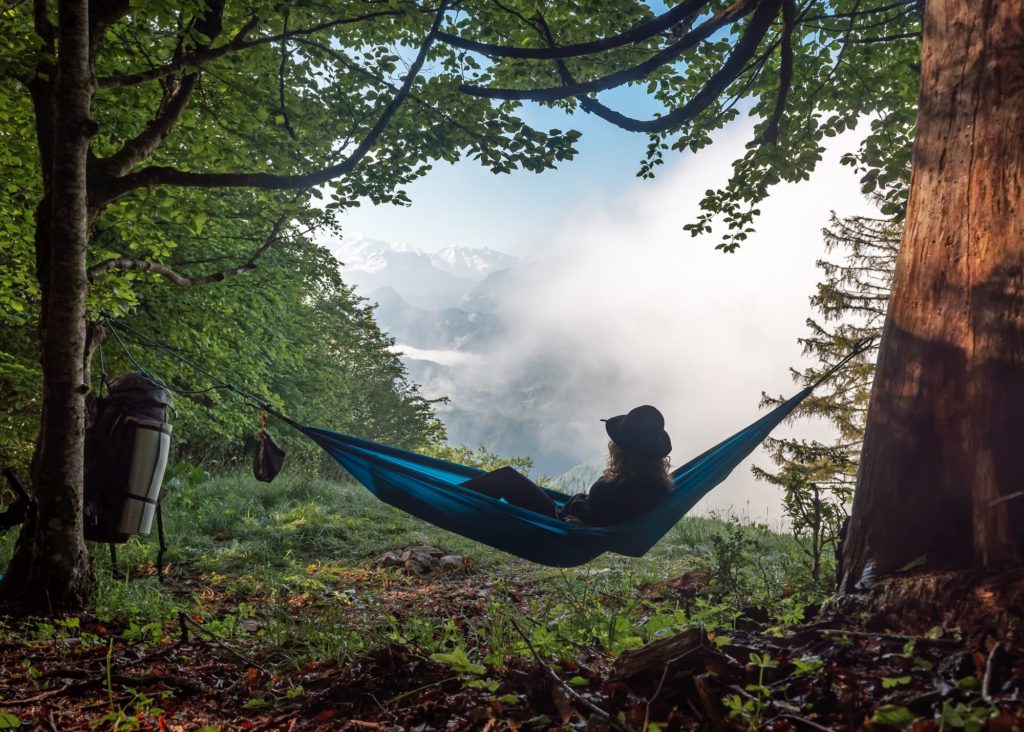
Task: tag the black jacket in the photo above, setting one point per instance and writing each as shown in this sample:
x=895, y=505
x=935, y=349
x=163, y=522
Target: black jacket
x=610, y=502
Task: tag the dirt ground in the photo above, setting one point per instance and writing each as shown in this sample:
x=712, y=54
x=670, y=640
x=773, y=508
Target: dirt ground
x=825, y=674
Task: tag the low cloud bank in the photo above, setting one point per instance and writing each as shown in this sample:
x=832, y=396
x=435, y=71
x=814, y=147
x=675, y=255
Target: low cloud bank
x=624, y=308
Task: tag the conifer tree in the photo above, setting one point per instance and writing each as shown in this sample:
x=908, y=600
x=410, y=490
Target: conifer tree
x=818, y=477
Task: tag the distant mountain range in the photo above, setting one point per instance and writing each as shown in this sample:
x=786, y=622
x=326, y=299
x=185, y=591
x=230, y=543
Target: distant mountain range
x=432, y=281
x=451, y=328
x=451, y=314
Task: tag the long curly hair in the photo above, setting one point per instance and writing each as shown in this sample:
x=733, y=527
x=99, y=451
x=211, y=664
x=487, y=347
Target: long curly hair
x=622, y=465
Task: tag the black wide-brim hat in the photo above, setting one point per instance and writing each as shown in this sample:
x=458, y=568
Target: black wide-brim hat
x=640, y=433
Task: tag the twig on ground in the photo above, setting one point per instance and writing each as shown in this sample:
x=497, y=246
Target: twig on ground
x=892, y=636
x=708, y=701
x=572, y=693
x=220, y=642
x=184, y=684
x=581, y=646
x=661, y=682
x=397, y=698
x=799, y=720
x=986, y=682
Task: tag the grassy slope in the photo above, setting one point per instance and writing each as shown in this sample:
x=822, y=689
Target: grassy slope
x=293, y=560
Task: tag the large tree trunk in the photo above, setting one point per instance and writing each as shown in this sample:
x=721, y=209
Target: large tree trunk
x=51, y=569
x=943, y=459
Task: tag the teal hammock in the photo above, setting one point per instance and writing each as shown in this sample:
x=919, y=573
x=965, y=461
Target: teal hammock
x=430, y=489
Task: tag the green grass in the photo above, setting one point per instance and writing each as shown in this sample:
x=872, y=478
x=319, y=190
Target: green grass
x=287, y=569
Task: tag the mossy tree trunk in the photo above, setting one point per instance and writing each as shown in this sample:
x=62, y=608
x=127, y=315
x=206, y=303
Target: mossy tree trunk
x=52, y=569
x=943, y=459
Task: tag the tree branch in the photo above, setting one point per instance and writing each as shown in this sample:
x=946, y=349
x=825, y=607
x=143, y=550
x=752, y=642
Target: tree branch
x=141, y=265
x=771, y=131
x=238, y=43
x=143, y=145
x=103, y=13
x=41, y=89
x=43, y=27
x=742, y=53
x=635, y=73
x=640, y=32
x=887, y=39
x=282, y=68
x=160, y=175
x=423, y=104
x=866, y=11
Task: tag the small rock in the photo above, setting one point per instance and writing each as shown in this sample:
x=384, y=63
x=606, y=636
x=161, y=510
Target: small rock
x=420, y=560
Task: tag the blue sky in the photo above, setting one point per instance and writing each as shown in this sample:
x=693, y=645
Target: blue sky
x=466, y=205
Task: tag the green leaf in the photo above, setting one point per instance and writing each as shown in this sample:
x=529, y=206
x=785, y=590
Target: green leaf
x=896, y=716
x=9, y=721
x=459, y=662
x=891, y=682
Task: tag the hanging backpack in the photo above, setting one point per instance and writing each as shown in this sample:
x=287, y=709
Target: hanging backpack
x=126, y=450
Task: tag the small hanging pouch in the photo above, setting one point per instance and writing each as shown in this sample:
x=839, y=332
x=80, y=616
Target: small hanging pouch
x=269, y=457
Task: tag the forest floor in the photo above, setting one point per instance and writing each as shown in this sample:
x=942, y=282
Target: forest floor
x=277, y=613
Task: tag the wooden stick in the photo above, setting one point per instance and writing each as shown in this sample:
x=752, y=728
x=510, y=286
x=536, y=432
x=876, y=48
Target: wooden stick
x=987, y=680
x=661, y=682
x=573, y=694
x=801, y=720
x=219, y=641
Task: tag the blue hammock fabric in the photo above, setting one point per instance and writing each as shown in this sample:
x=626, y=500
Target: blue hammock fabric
x=430, y=489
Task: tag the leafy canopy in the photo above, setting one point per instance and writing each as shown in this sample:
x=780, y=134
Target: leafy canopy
x=228, y=133
x=806, y=71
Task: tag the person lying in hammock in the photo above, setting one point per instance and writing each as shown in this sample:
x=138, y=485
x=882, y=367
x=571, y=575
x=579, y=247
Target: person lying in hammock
x=635, y=480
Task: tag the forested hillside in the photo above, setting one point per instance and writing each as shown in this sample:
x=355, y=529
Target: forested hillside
x=290, y=331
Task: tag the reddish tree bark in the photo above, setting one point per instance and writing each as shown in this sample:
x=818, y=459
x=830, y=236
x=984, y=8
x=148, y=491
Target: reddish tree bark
x=943, y=460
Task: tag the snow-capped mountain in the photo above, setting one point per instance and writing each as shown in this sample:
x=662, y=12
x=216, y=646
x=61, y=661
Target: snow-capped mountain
x=430, y=281
x=374, y=255
x=474, y=263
